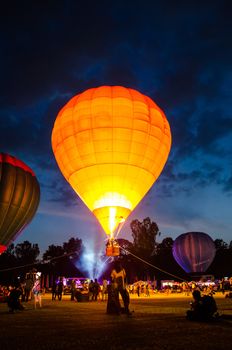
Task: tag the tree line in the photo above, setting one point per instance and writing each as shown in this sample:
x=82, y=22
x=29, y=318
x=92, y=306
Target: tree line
x=143, y=258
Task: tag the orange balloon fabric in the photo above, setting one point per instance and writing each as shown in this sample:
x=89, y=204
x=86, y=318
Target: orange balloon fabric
x=111, y=144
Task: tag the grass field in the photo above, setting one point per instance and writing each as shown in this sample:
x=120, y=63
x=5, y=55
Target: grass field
x=157, y=323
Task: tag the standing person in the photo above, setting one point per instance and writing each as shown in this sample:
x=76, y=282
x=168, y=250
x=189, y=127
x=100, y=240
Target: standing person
x=13, y=299
x=54, y=290
x=28, y=286
x=36, y=290
x=73, y=289
x=96, y=289
x=22, y=288
x=91, y=290
x=118, y=276
x=60, y=288
x=147, y=289
x=222, y=285
x=185, y=288
x=104, y=288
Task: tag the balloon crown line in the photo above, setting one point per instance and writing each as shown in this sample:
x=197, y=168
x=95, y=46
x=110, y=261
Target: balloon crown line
x=7, y=158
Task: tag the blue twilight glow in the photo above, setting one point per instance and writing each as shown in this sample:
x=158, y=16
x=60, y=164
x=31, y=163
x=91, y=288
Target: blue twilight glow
x=182, y=60
x=92, y=261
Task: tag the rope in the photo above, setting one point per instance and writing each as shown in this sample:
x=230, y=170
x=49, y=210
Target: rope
x=155, y=267
x=61, y=256
x=37, y=263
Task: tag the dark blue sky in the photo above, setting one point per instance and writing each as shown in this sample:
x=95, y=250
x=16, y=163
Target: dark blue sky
x=177, y=52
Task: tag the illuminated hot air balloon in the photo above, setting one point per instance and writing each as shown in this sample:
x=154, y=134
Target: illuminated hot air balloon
x=111, y=144
x=194, y=251
x=19, y=198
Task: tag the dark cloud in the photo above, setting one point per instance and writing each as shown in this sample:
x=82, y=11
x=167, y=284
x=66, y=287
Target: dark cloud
x=212, y=127
x=174, y=181
x=178, y=54
x=228, y=185
x=49, y=44
x=60, y=191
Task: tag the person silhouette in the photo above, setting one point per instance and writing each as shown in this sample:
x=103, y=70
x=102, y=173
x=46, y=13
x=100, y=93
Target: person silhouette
x=118, y=276
x=202, y=308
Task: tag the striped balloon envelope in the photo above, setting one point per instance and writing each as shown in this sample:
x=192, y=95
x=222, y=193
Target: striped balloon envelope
x=111, y=144
x=19, y=198
x=194, y=251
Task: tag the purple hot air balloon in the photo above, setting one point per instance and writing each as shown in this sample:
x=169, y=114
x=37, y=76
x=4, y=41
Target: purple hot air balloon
x=194, y=251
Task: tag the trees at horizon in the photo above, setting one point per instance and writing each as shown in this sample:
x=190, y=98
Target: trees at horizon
x=61, y=259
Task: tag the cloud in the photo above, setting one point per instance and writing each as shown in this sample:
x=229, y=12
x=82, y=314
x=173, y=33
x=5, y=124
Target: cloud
x=58, y=190
x=228, y=186
x=178, y=54
x=212, y=127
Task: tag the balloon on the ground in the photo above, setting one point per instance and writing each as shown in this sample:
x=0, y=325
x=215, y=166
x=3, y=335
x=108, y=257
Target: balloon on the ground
x=194, y=251
x=111, y=144
x=19, y=198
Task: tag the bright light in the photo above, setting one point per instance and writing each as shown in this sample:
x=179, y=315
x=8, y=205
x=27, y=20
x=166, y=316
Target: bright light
x=110, y=199
x=90, y=261
x=112, y=221
x=111, y=144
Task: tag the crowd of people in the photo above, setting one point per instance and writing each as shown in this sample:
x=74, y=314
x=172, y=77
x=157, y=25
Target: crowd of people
x=20, y=293
x=114, y=291
x=30, y=289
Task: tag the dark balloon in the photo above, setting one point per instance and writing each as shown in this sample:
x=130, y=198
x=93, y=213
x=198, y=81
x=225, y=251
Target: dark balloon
x=194, y=251
x=19, y=198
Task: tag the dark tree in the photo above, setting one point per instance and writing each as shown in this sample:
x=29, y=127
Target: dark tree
x=73, y=247
x=8, y=262
x=53, y=251
x=125, y=244
x=54, y=256
x=10, y=250
x=221, y=265
x=17, y=260
x=26, y=253
x=8, y=258
x=220, y=244
x=62, y=259
x=164, y=260
x=144, y=245
x=144, y=235
x=166, y=244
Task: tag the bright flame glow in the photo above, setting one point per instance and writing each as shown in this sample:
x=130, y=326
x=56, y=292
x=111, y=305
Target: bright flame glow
x=112, y=219
x=91, y=261
x=110, y=199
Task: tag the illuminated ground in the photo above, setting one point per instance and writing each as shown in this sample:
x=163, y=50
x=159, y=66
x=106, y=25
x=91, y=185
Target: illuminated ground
x=157, y=323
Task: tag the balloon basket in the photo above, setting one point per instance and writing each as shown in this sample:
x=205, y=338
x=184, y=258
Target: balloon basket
x=112, y=248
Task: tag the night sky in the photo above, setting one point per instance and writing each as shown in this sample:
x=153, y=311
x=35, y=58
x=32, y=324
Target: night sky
x=176, y=52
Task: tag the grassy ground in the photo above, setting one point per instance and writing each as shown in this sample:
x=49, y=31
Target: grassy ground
x=157, y=323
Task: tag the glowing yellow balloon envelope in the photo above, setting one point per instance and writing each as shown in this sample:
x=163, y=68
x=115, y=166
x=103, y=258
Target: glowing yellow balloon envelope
x=111, y=144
